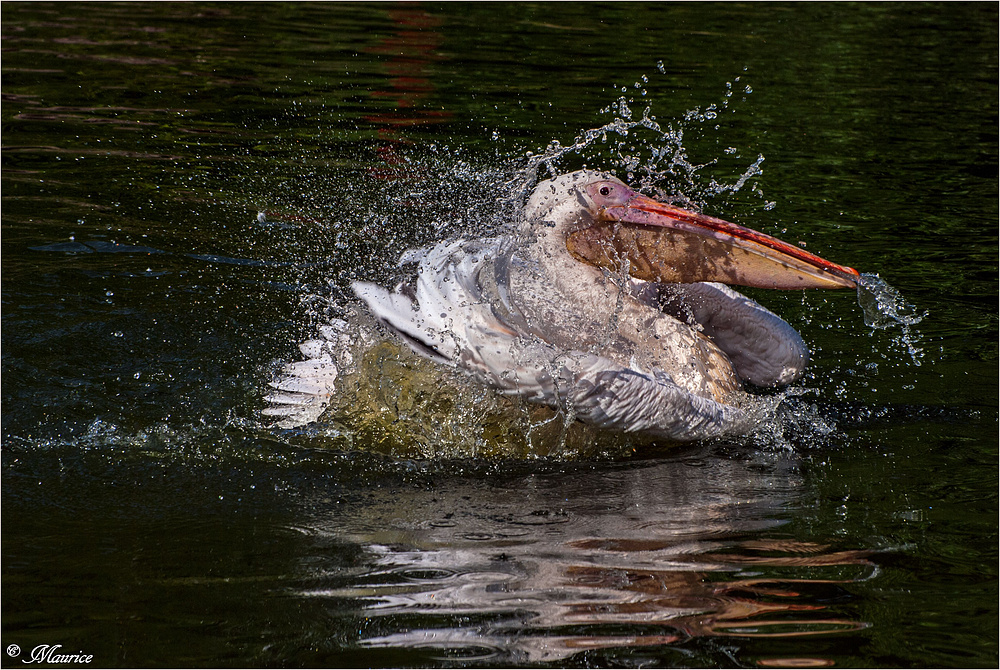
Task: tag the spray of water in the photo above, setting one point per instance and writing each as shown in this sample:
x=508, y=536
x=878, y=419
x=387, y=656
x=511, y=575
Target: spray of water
x=389, y=400
x=645, y=153
x=884, y=307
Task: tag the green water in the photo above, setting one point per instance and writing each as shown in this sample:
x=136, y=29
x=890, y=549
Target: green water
x=150, y=519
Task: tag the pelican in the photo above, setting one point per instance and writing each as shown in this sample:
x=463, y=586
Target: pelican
x=605, y=304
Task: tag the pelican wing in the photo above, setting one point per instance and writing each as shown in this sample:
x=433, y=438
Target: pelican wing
x=303, y=389
x=446, y=318
x=439, y=319
x=600, y=392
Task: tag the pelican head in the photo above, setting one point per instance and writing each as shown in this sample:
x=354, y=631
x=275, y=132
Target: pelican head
x=601, y=221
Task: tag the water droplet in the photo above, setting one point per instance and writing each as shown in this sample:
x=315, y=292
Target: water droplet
x=884, y=307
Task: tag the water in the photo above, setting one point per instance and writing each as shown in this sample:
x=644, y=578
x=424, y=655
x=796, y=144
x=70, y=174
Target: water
x=149, y=518
x=884, y=307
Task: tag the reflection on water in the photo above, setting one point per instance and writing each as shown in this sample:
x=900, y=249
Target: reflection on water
x=542, y=568
x=408, y=51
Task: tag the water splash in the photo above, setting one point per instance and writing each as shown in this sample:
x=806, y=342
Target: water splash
x=884, y=307
x=389, y=401
x=650, y=156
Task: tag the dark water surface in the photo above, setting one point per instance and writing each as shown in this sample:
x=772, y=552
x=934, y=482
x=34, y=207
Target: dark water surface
x=151, y=519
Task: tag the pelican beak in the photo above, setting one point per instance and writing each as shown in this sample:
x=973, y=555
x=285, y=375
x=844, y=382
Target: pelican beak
x=657, y=242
